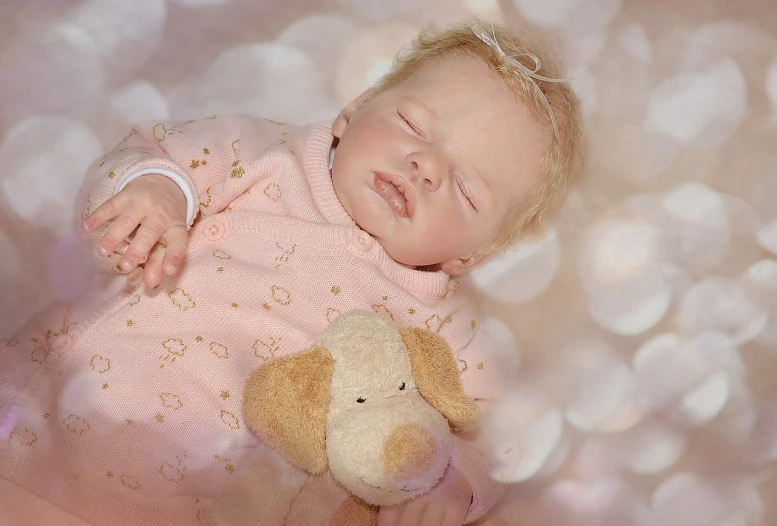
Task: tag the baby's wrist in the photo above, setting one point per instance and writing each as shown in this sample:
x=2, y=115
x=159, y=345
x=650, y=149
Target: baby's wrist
x=189, y=193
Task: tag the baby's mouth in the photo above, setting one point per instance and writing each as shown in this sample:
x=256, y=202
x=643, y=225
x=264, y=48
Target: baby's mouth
x=392, y=194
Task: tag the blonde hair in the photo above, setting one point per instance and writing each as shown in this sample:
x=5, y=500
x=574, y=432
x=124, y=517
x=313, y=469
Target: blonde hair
x=563, y=156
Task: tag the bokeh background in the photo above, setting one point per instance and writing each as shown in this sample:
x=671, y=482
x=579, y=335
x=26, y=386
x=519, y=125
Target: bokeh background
x=641, y=332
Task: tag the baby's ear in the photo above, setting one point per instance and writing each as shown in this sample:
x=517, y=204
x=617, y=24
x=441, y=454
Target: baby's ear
x=458, y=266
x=286, y=403
x=437, y=377
x=344, y=117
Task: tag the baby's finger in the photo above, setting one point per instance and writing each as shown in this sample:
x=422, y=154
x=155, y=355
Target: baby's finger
x=116, y=234
x=133, y=279
x=452, y=517
x=148, y=234
x=153, y=271
x=412, y=514
x=105, y=212
x=176, y=239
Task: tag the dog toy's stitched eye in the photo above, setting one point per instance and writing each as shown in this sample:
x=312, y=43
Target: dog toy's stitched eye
x=361, y=400
x=402, y=387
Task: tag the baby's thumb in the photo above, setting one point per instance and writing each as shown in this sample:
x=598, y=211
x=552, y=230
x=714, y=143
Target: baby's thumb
x=176, y=240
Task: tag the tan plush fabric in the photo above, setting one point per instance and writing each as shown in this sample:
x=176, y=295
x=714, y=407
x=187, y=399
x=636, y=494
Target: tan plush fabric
x=437, y=377
x=408, y=451
x=286, y=403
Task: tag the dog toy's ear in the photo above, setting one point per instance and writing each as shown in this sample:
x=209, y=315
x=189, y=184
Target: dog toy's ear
x=437, y=377
x=286, y=403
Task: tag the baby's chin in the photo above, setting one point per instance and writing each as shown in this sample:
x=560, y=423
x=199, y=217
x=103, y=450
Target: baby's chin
x=410, y=261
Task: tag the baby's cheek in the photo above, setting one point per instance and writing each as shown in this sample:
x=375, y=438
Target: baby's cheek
x=458, y=234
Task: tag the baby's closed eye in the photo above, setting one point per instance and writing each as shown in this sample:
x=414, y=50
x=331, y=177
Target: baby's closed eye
x=464, y=189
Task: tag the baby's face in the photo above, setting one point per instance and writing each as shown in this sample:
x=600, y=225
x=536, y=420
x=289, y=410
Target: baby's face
x=430, y=167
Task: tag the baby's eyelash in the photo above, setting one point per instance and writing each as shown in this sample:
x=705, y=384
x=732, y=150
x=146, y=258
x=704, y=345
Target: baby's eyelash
x=465, y=191
x=412, y=126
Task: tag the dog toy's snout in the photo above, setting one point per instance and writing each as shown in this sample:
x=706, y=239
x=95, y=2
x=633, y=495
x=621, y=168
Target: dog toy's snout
x=408, y=452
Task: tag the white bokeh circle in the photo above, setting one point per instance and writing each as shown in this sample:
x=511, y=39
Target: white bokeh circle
x=270, y=80
x=125, y=33
x=760, y=282
x=621, y=270
x=698, y=232
x=500, y=340
x=592, y=485
x=368, y=57
x=53, y=70
x=771, y=86
x=704, y=107
x=691, y=379
x=602, y=389
x=649, y=448
x=687, y=499
x=617, y=251
x=584, y=84
x=767, y=236
x=717, y=304
x=523, y=430
x=44, y=159
x=590, y=14
x=708, y=43
x=488, y=10
x=522, y=273
x=139, y=101
x=322, y=37
x=634, y=41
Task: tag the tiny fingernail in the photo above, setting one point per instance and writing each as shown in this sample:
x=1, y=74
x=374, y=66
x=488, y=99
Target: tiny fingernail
x=85, y=226
x=127, y=265
x=103, y=250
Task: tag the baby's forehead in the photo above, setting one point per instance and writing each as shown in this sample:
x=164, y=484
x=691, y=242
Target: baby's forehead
x=464, y=87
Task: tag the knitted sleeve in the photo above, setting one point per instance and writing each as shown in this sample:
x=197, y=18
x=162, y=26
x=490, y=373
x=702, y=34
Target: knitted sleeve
x=205, y=157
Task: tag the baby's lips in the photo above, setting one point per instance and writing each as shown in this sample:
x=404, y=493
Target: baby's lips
x=396, y=192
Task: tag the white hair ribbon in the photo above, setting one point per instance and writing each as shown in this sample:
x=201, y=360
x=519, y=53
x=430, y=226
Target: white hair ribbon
x=531, y=73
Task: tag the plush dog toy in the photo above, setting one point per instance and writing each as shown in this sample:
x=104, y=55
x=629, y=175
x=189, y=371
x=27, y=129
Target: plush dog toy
x=365, y=417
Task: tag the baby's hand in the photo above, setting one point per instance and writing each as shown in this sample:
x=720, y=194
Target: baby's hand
x=155, y=206
x=446, y=504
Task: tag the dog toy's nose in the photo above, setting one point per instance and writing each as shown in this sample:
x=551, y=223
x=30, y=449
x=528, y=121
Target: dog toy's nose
x=408, y=452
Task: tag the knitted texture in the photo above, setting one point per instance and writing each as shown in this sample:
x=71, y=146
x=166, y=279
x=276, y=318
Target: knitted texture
x=125, y=408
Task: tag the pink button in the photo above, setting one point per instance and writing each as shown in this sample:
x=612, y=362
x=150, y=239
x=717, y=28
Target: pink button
x=362, y=240
x=213, y=229
x=62, y=345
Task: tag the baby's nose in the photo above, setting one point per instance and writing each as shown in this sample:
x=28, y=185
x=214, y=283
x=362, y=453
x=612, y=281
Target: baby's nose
x=429, y=168
x=408, y=452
